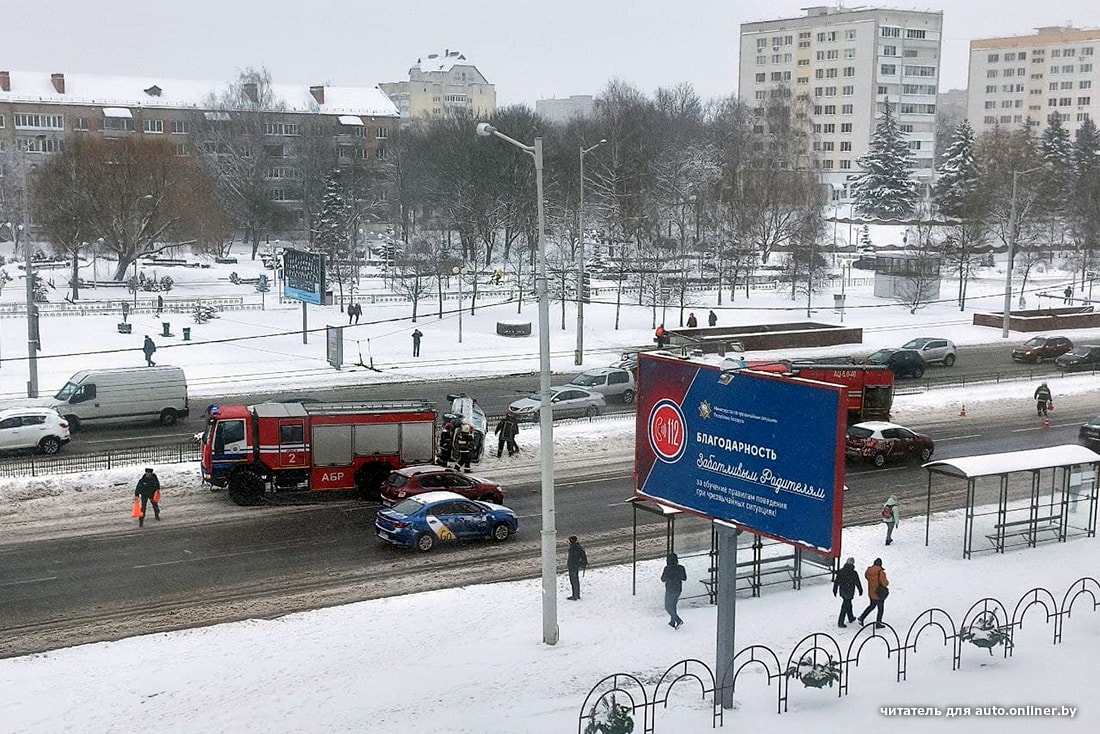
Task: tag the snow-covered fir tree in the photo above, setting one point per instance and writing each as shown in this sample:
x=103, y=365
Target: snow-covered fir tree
x=1057, y=174
x=957, y=175
x=885, y=187
x=331, y=235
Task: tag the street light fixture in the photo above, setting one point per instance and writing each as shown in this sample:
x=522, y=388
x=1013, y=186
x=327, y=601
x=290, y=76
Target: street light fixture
x=459, y=271
x=1014, y=233
x=546, y=425
x=579, y=357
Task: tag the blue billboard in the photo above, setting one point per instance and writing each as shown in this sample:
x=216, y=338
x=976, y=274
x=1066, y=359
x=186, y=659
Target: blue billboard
x=759, y=450
x=304, y=276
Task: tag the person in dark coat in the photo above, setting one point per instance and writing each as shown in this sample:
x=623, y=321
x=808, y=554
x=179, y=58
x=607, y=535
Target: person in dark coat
x=160, y=305
x=674, y=575
x=1068, y=293
x=507, y=429
x=576, y=562
x=847, y=584
x=876, y=578
x=446, y=444
x=712, y=318
x=1043, y=399
x=464, y=446
x=417, y=334
x=692, y=321
x=149, y=347
x=147, y=488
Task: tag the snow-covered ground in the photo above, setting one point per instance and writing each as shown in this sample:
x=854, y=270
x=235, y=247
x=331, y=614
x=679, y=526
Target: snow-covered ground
x=470, y=659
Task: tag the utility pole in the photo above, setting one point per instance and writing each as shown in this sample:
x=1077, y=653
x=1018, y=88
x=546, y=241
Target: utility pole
x=32, y=314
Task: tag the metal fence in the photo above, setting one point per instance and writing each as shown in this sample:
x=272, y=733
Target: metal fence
x=38, y=466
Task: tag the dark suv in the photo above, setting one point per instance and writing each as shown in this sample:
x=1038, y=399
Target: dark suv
x=1038, y=348
x=902, y=362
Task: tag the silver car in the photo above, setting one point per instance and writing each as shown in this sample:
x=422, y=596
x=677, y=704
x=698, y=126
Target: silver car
x=933, y=349
x=611, y=382
x=566, y=401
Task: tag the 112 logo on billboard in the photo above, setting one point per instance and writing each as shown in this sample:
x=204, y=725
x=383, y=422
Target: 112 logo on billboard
x=667, y=431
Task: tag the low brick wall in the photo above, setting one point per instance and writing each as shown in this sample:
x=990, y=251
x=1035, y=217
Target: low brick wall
x=1046, y=319
x=711, y=340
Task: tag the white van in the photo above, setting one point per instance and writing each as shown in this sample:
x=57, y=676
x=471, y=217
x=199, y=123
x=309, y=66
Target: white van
x=123, y=394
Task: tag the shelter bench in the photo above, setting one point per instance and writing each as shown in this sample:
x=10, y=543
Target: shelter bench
x=1026, y=528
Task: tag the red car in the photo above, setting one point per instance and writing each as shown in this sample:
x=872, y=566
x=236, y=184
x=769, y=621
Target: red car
x=879, y=442
x=414, y=480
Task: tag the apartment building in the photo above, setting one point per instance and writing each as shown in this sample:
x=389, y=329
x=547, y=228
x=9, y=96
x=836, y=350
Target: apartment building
x=561, y=111
x=443, y=85
x=845, y=64
x=1022, y=79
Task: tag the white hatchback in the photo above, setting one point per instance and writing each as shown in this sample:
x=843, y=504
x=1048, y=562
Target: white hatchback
x=33, y=428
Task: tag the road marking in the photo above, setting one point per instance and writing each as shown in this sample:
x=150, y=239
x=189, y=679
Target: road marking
x=959, y=438
x=30, y=581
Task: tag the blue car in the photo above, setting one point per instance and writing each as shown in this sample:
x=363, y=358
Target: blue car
x=434, y=517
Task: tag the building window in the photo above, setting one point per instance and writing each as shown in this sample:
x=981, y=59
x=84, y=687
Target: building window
x=381, y=153
x=848, y=91
x=888, y=69
x=1067, y=69
x=80, y=124
x=1082, y=116
x=827, y=164
x=849, y=71
x=830, y=109
x=845, y=164
x=777, y=76
x=1065, y=101
x=991, y=89
x=761, y=60
x=803, y=62
x=989, y=120
x=830, y=91
x=803, y=80
x=845, y=145
x=1084, y=101
x=992, y=58
x=1086, y=68
x=282, y=128
x=846, y=109
x=25, y=121
x=181, y=127
x=1, y=121
x=777, y=58
x=761, y=94
x=1083, y=84
x=761, y=42
x=918, y=109
x=828, y=145
x=1086, y=51
x=1006, y=103
x=905, y=128
x=914, y=145
x=829, y=128
x=830, y=73
x=832, y=55
x=152, y=127
x=914, y=33
x=118, y=124
x=991, y=74
x=990, y=104
x=1009, y=72
x=911, y=53
x=849, y=53
x=381, y=133
x=889, y=50
x=920, y=71
x=890, y=32
x=183, y=150
x=761, y=78
x=1063, y=85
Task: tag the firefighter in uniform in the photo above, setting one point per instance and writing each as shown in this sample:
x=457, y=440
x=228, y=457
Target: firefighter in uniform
x=464, y=446
x=446, y=440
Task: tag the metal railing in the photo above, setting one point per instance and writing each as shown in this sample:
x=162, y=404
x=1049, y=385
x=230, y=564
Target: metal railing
x=38, y=466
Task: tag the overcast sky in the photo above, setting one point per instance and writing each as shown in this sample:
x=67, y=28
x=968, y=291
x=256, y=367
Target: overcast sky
x=529, y=50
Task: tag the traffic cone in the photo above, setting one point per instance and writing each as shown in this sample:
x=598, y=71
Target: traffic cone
x=962, y=413
x=1046, y=422
x=156, y=497
x=137, y=508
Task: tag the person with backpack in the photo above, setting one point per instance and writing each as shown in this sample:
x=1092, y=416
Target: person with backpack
x=673, y=577
x=847, y=583
x=877, y=591
x=575, y=562
x=891, y=517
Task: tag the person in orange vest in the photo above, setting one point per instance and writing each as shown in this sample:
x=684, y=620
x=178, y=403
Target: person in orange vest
x=147, y=489
x=877, y=590
x=661, y=336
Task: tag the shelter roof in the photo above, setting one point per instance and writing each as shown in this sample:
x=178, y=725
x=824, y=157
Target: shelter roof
x=985, y=465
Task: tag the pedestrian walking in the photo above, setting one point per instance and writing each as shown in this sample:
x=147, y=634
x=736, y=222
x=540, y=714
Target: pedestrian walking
x=160, y=304
x=891, y=517
x=354, y=312
x=149, y=347
x=878, y=587
x=847, y=584
x=464, y=447
x=692, y=321
x=148, y=489
x=660, y=336
x=446, y=444
x=507, y=429
x=1043, y=400
x=673, y=577
x=417, y=335
x=576, y=562
x=712, y=318
x=1068, y=293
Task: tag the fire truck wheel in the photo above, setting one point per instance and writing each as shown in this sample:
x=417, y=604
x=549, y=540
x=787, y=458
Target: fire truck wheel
x=501, y=532
x=167, y=417
x=425, y=542
x=246, y=488
x=368, y=481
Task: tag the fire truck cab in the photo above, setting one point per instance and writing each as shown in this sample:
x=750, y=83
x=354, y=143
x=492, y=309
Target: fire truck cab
x=870, y=387
x=283, y=447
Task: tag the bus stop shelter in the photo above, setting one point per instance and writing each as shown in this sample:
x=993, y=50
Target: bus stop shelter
x=1022, y=498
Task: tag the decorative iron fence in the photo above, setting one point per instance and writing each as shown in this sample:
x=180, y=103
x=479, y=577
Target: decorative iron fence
x=38, y=466
x=819, y=660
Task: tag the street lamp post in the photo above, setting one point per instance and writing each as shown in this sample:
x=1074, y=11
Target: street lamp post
x=459, y=271
x=579, y=357
x=1013, y=234
x=32, y=315
x=546, y=425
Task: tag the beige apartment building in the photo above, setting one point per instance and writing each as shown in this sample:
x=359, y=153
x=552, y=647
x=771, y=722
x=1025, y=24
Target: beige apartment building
x=443, y=85
x=846, y=64
x=1022, y=79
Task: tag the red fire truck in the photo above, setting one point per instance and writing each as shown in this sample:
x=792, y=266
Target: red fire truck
x=283, y=447
x=870, y=386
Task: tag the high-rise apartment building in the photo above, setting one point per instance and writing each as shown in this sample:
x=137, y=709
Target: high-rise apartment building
x=443, y=85
x=846, y=64
x=1022, y=79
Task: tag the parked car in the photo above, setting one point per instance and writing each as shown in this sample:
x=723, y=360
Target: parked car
x=1082, y=357
x=1089, y=434
x=933, y=350
x=434, y=517
x=33, y=428
x=566, y=401
x=614, y=383
x=1038, y=348
x=902, y=362
x=879, y=441
x=413, y=480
